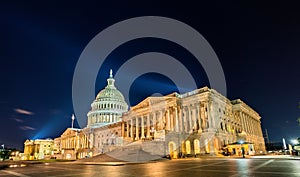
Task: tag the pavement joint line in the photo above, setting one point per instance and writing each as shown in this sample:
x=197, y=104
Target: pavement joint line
x=257, y=172
x=263, y=164
x=182, y=169
x=255, y=168
x=65, y=168
x=15, y=173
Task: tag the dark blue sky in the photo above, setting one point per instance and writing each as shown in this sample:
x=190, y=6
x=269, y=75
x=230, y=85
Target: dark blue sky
x=40, y=43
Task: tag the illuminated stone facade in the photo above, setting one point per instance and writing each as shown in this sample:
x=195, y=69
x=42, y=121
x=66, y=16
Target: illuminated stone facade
x=198, y=122
x=106, y=138
x=108, y=106
x=105, y=119
x=73, y=144
x=38, y=149
x=195, y=123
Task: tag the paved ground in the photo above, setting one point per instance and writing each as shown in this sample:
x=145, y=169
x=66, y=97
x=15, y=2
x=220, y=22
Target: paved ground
x=231, y=167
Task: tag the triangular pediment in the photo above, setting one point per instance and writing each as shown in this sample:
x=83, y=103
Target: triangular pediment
x=70, y=131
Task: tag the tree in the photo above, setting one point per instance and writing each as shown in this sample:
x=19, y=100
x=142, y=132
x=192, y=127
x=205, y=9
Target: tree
x=4, y=154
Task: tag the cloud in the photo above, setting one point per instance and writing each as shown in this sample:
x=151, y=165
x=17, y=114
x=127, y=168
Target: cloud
x=27, y=128
x=18, y=120
x=23, y=111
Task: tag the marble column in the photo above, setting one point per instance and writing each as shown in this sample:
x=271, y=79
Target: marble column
x=131, y=128
x=254, y=126
x=199, y=117
x=168, y=119
x=190, y=118
x=154, y=121
x=242, y=121
x=176, y=120
x=123, y=129
x=163, y=119
x=248, y=123
x=194, y=118
x=210, y=123
x=172, y=120
x=160, y=120
x=148, y=126
x=203, y=117
x=181, y=129
x=137, y=128
x=127, y=128
x=142, y=127
x=185, y=120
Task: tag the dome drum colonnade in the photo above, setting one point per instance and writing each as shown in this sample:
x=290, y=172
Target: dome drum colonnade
x=108, y=106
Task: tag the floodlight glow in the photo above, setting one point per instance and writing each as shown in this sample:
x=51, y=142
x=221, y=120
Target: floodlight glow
x=294, y=141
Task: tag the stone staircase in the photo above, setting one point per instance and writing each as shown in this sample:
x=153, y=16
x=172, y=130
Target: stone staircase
x=139, y=151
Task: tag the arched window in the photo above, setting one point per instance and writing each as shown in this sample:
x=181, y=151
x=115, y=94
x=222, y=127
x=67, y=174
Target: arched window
x=188, y=147
x=183, y=147
x=197, y=146
x=172, y=149
x=207, y=148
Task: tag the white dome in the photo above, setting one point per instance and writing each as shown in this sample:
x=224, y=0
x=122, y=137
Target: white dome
x=108, y=106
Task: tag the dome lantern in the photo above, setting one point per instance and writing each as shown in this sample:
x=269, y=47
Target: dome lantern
x=111, y=80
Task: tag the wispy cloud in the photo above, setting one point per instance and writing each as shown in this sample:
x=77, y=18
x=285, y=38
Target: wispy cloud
x=27, y=128
x=23, y=111
x=18, y=120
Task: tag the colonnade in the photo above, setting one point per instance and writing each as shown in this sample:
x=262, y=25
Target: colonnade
x=102, y=118
x=250, y=124
x=186, y=119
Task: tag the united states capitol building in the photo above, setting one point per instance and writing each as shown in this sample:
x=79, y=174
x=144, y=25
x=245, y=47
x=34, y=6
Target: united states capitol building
x=200, y=122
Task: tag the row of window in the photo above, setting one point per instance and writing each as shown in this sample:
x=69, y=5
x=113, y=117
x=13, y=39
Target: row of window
x=109, y=106
x=227, y=128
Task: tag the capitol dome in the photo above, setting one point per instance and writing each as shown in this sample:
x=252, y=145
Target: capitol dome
x=108, y=106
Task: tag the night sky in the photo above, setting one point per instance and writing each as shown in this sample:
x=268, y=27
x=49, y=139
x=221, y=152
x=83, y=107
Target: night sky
x=258, y=45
